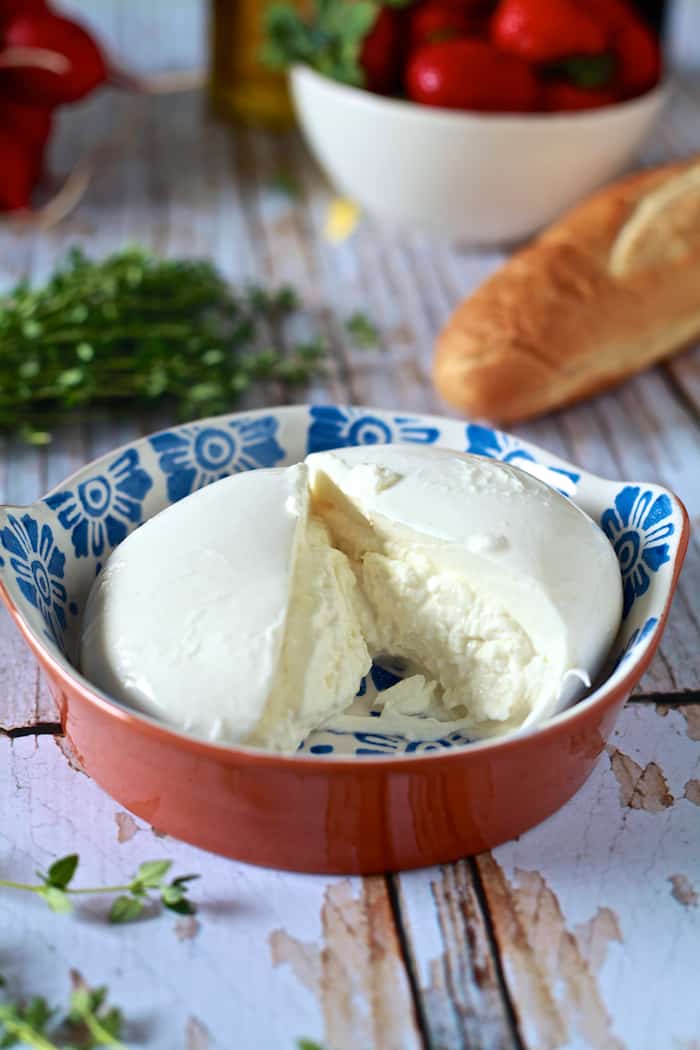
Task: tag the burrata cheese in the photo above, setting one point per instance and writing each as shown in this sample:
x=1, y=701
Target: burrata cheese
x=249, y=612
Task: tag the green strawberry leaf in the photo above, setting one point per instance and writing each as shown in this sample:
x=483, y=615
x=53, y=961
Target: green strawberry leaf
x=330, y=41
x=587, y=71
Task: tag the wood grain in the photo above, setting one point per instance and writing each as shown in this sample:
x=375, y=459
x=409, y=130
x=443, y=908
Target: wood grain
x=583, y=933
x=274, y=957
x=584, y=910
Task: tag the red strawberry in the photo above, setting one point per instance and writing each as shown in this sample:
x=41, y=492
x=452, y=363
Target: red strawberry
x=560, y=95
x=470, y=74
x=634, y=44
x=85, y=65
x=638, y=58
x=381, y=53
x=17, y=172
x=545, y=30
x=438, y=20
x=613, y=15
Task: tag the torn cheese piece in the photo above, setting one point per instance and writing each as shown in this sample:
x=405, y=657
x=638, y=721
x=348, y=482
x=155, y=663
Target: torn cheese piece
x=484, y=579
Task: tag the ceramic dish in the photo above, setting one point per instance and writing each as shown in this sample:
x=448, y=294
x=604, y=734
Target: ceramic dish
x=451, y=173
x=347, y=802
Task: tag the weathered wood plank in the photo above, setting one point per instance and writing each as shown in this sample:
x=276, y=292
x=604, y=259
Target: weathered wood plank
x=591, y=907
x=272, y=956
x=453, y=960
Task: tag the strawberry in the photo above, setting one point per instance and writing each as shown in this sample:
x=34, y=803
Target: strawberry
x=545, y=30
x=560, y=95
x=634, y=44
x=380, y=53
x=437, y=20
x=612, y=15
x=471, y=74
x=638, y=58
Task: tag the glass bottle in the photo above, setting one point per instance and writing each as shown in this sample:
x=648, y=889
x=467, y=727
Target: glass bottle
x=241, y=88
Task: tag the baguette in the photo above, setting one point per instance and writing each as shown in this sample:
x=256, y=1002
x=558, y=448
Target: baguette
x=608, y=290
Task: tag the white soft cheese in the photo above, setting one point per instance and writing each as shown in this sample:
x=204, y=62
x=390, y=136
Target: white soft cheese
x=229, y=615
x=487, y=581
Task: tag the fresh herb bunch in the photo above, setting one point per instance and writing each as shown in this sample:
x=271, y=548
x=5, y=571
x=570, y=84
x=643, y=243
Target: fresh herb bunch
x=364, y=331
x=330, y=40
x=55, y=888
x=133, y=329
x=88, y=1023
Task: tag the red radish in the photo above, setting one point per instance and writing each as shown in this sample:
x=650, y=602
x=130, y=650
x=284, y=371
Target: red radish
x=12, y=8
x=638, y=58
x=17, y=171
x=381, y=52
x=471, y=74
x=31, y=125
x=52, y=33
x=560, y=96
x=437, y=20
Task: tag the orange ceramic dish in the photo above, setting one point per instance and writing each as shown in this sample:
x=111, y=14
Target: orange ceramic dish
x=347, y=802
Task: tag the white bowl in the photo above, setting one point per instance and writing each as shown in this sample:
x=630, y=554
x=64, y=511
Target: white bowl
x=477, y=178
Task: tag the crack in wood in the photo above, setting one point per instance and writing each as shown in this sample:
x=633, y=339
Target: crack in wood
x=683, y=696
x=393, y=890
x=36, y=729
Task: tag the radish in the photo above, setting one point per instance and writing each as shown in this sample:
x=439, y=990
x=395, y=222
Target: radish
x=31, y=125
x=48, y=82
x=17, y=171
x=11, y=8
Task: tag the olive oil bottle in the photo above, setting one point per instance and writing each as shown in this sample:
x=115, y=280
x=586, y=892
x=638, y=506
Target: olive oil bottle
x=241, y=88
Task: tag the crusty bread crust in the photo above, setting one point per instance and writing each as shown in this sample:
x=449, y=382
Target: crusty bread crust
x=554, y=324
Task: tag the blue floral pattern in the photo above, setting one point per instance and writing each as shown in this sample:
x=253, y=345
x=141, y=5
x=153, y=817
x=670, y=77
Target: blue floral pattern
x=483, y=441
x=49, y=553
x=39, y=567
x=638, y=527
x=322, y=742
x=99, y=511
x=333, y=427
x=196, y=455
x=639, y=635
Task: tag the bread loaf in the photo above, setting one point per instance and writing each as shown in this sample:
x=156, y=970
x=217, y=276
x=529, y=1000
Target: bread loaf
x=611, y=288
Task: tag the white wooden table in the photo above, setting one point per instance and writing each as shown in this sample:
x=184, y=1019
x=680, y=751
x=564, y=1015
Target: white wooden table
x=585, y=932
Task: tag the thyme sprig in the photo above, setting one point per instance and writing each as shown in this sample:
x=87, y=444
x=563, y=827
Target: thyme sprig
x=55, y=888
x=134, y=329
